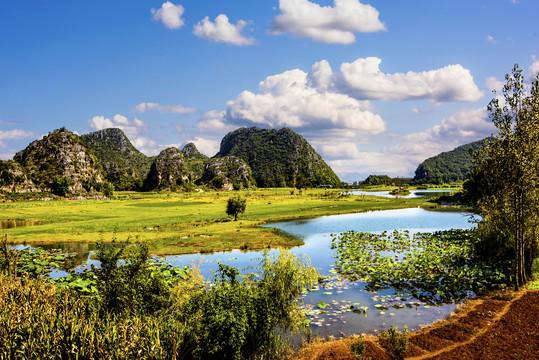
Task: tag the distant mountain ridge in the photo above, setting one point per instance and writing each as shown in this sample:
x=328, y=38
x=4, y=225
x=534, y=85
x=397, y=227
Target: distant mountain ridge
x=102, y=161
x=449, y=166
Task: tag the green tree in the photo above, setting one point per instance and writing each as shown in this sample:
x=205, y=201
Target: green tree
x=236, y=205
x=507, y=170
x=61, y=186
x=108, y=189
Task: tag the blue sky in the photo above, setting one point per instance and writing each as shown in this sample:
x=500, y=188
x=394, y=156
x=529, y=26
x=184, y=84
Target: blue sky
x=375, y=86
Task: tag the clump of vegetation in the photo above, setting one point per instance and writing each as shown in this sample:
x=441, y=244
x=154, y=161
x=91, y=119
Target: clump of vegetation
x=394, y=342
x=358, y=348
x=132, y=307
x=238, y=319
x=236, y=205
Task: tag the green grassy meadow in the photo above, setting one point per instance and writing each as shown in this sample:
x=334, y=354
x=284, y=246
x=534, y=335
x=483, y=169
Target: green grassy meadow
x=181, y=223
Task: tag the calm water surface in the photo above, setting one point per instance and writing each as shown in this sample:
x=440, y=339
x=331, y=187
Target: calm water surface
x=413, y=193
x=342, y=295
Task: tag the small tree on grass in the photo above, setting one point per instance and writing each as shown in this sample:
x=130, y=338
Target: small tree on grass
x=236, y=205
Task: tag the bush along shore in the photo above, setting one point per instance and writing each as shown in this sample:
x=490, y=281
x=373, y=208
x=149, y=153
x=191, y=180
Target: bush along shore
x=135, y=307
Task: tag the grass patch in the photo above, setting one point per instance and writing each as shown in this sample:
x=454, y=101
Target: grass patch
x=181, y=223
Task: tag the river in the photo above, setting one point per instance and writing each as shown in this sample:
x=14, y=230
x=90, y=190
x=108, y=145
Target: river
x=347, y=300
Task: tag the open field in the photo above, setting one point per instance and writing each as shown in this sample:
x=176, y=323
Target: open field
x=181, y=223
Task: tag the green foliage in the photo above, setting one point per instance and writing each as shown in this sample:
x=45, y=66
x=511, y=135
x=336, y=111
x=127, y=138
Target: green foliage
x=433, y=267
x=358, y=348
x=505, y=180
x=133, y=285
x=41, y=321
x=108, y=189
x=6, y=176
x=451, y=166
x=61, y=186
x=394, y=342
x=29, y=262
x=56, y=157
x=231, y=319
x=236, y=205
x=238, y=319
x=125, y=167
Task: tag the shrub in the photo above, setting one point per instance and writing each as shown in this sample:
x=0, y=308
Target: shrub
x=358, y=348
x=61, y=186
x=394, y=342
x=239, y=319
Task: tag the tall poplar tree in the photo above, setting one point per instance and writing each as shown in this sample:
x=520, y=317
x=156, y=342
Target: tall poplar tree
x=508, y=171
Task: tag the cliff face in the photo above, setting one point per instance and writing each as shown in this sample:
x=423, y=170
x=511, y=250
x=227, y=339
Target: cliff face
x=228, y=173
x=124, y=166
x=168, y=171
x=14, y=179
x=278, y=158
x=61, y=159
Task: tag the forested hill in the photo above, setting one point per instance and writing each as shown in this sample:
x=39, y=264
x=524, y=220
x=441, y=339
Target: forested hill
x=448, y=166
x=278, y=158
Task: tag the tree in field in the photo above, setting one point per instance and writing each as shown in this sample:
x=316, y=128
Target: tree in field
x=236, y=205
x=506, y=176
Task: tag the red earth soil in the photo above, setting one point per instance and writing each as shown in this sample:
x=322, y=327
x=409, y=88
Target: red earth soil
x=503, y=327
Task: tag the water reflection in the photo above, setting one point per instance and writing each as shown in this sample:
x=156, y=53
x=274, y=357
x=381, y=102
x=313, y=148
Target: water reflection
x=434, y=193
x=10, y=224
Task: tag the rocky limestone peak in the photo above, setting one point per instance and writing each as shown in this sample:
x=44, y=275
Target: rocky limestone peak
x=278, y=158
x=61, y=154
x=190, y=152
x=228, y=173
x=114, y=137
x=168, y=171
x=125, y=166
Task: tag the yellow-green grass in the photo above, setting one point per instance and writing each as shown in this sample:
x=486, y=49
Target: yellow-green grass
x=180, y=223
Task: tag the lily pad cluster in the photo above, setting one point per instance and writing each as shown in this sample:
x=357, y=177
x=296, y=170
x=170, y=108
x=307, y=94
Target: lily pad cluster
x=31, y=262
x=434, y=267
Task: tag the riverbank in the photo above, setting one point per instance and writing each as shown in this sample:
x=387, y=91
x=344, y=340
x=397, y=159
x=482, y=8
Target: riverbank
x=186, y=223
x=496, y=327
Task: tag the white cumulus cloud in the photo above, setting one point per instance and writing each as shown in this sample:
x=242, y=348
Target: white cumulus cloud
x=337, y=24
x=15, y=134
x=299, y=100
x=364, y=79
x=462, y=127
x=169, y=14
x=222, y=31
x=177, y=108
x=207, y=147
x=214, y=122
x=534, y=68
